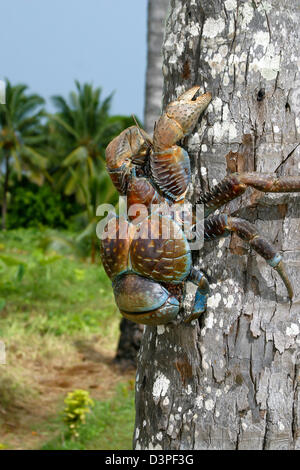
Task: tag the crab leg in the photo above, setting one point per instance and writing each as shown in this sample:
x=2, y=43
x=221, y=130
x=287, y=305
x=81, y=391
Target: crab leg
x=199, y=279
x=236, y=184
x=169, y=163
x=222, y=225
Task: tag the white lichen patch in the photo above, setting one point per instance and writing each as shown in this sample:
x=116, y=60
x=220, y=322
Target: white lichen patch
x=264, y=7
x=194, y=29
x=230, y=5
x=214, y=300
x=281, y=426
x=268, y=65
x=213, y=28
x=230, y=301
x=160, y=329
x=292, y=330
x=226, y=80
x=223, y=50
x=160, y=387
x=261, y=38
x=217, y=105
x=153, y=447
x=199, y=401
x=205, y=364
x=194, y=140
x=222, y=131
x=209, y=404
x=137, y=446
x=209, y=321
x=246, y=13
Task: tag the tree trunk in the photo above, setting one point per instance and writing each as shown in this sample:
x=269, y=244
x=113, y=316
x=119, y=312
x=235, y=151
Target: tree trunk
x=157, y=12
x=129, y=344
x=231, y=381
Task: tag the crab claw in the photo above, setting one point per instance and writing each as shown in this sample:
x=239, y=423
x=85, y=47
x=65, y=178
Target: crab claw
x=179, y=118
x=132, y=146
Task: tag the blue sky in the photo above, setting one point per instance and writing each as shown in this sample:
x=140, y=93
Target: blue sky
x=47, y=44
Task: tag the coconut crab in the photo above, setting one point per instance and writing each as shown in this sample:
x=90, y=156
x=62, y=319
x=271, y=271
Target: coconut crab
x=149, y=270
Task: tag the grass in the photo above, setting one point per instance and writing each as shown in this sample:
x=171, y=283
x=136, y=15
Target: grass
x=60, y=326
x=54, y=293
x=108, y=427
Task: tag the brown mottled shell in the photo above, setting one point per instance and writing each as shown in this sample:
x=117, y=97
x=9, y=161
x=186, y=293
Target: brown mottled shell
x=114, y=248
x=162, y=252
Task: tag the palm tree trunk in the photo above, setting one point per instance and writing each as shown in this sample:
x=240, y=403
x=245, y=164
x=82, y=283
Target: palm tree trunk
x=5, y=191
x=157, y=12
x=231, y=381
x=129, y=344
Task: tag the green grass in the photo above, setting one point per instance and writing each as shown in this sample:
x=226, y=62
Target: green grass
x=109, y=426
x=50, y=292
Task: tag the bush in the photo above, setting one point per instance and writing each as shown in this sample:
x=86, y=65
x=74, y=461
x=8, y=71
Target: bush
x=32, y=206
x=78, y=405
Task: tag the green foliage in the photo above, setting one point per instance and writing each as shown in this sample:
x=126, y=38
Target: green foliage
x=78, y=403
x=109, y=427
x=67, y=150
x=80, y=131
x=32, y=205
x=58, y=293
x=21, y=138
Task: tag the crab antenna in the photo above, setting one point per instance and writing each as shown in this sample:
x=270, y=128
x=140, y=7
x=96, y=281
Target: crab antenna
x=136, y=123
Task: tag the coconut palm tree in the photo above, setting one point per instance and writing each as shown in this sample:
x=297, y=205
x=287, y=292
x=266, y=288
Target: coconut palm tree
x=81, y=130
x=21, y=139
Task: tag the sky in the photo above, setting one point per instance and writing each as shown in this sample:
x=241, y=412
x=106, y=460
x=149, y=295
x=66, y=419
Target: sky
x=47, y=44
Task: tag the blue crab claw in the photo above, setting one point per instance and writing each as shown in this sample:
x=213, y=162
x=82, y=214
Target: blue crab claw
x=179, y=118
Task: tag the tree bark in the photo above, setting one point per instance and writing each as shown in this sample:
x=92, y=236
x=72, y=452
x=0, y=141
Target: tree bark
x=231, y=381
x=157, y=12
x=129, y=344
